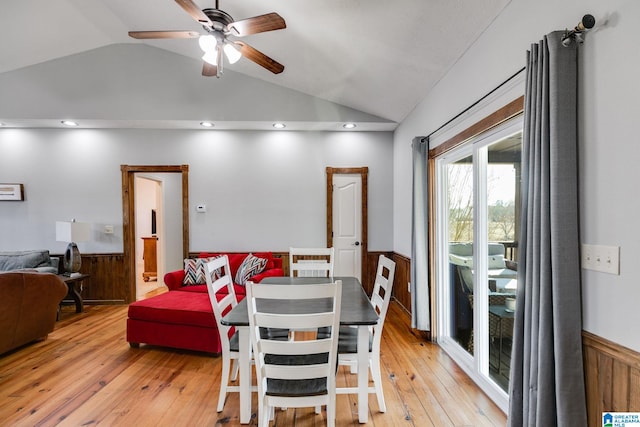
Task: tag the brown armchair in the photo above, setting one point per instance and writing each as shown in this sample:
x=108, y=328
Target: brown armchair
x=29, y=305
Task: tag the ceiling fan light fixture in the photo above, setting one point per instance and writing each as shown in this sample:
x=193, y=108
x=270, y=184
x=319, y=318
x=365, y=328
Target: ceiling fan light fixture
x=207, y=43
x=233, y=54
x=211, y=57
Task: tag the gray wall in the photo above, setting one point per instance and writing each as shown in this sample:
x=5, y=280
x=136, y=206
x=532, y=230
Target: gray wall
x=608, y=112
x=263, y=190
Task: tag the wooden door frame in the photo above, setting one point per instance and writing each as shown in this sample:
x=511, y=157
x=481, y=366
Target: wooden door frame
x=128, y=217
x=364, y=173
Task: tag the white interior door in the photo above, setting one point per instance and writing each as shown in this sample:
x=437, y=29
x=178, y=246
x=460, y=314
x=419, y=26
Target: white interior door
x=347, y=225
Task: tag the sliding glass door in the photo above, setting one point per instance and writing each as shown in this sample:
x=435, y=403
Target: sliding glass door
x=477, y=205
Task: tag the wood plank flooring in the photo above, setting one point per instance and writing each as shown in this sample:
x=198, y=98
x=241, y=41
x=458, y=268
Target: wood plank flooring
x=85, y=374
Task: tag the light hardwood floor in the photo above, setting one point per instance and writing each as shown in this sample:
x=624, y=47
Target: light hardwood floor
x=85, y=374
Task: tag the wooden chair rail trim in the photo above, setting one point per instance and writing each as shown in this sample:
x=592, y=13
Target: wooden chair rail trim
x=616, y=351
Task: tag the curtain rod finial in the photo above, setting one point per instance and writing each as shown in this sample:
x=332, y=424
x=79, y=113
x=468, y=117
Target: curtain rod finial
x=587, y=22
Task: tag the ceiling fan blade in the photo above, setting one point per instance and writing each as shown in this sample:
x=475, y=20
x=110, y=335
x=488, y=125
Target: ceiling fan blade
x=192, y=9
x=260, y=58
x=209, y=70
x=258, y=24
x=164, y=34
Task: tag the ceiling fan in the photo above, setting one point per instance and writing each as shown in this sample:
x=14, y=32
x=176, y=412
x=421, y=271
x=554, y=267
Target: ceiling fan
x=219, y=25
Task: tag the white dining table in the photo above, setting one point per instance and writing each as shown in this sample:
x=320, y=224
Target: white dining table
x=356, y=310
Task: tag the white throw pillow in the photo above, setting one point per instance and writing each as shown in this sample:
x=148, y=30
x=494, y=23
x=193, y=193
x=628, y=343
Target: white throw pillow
x=251, y=266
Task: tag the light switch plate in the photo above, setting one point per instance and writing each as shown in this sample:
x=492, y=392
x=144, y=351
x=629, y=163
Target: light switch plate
x=601, y=258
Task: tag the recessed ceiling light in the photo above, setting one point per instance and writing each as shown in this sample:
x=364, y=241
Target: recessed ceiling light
x=206, y=124
x=69, y=123
x=279, y=125
x=349, y=125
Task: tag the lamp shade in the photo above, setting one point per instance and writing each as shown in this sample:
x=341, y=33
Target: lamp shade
x=233, y=54
x=71, y=231
x=208, y=43
x=211, y=57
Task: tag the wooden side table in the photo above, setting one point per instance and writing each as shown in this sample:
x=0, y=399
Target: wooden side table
x=74, y=283
x=150, y=257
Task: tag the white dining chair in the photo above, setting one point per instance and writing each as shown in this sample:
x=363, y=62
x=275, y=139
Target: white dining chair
x=311, y=262
x=223, y=298
x=347, y=343
x=301, y=372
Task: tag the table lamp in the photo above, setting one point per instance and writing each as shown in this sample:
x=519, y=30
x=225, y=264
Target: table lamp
x=72, y=231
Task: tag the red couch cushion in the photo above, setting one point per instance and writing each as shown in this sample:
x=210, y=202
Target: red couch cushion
x=239, y=290
x=193, y=288
x=191, y=308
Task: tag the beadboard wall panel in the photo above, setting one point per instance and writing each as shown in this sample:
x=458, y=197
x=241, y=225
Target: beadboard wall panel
x=612, y=377
x=403, y=276
x=107, y=282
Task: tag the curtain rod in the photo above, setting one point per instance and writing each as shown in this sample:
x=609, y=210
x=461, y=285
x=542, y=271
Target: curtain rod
x=426, y=138
x=587, y=22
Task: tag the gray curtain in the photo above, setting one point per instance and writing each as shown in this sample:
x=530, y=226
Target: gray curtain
x=547, y=379
x=420, y=311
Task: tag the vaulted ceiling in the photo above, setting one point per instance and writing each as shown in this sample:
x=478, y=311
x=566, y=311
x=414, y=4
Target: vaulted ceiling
x=378, y=57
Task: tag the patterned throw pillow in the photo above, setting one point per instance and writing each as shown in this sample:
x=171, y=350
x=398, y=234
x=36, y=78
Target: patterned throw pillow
x=195, y=271
x=251, y=266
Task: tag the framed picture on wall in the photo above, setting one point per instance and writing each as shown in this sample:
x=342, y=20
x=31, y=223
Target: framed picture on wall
x=12, y=192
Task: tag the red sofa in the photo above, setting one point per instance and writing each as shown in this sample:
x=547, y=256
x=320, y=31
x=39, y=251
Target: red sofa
x=183, y=317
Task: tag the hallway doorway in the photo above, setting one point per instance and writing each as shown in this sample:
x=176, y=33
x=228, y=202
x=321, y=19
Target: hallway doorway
x=154, y=194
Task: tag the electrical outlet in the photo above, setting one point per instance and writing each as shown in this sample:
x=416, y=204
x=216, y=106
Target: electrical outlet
x=108, y=229
x=601, y=258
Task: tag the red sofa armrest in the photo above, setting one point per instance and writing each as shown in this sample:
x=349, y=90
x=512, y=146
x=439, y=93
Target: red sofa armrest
x=272, y=272
x=174, y=279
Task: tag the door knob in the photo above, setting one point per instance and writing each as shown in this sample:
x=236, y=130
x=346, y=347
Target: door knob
x=357, y=243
